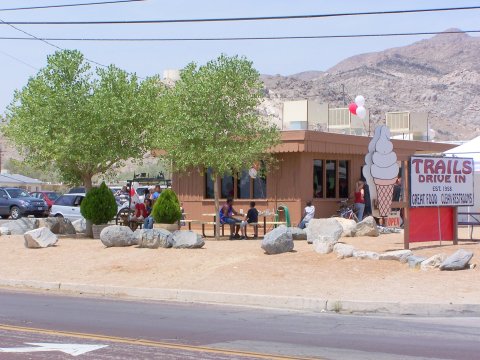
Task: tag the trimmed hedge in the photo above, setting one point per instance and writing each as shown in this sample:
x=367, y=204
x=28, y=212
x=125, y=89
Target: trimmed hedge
x=166, y=209
x=99, y=205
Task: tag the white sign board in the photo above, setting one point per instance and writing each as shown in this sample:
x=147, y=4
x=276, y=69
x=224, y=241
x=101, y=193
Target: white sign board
x=440, y=181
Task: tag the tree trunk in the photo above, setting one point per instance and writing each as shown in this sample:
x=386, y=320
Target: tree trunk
x=217, y=206
x=87, y=182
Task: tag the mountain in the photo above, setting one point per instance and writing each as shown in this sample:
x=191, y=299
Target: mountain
x=440, y=76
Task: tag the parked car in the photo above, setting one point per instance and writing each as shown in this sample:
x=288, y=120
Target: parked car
x=77, y=190
x=48, y=196
x=68, y=206
x=16, y=202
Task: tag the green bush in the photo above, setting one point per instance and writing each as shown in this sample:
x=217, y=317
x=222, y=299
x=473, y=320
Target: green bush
x=166, y=209
x=99, y=205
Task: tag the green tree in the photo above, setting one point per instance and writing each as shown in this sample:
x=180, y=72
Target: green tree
x=99, y=205
x=166, y=209
x=84, y=123
x=210, y=119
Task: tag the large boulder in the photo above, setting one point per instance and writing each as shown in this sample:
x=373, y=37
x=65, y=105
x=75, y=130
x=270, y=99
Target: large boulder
x=398, y=255
x=433, y=262
x=21, y=226
x=58, y=225
x=80, y=225
x=117, y=236
x=349, y=226
x=365, y=255
x=187, y=239
x=343, y=250
x=154, y=238
x=324, y=244
x=367, y=227
x=323, y=227
x=298, y=234
x=40, y=238
x=278, y=241
x=457, y=261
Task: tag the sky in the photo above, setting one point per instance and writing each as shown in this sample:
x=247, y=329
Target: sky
x=20, y=60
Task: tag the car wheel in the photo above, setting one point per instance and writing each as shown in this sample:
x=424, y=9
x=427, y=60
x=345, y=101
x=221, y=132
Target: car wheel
x=5, y=216
x=15, y=213
x=58, y=215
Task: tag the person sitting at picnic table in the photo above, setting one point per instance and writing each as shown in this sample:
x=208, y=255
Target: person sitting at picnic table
x=226, y=217
x=308, y=215
x=157, y=192
x=250, y=218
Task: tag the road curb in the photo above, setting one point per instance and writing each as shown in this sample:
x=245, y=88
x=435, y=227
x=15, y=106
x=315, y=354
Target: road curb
x=252, y=300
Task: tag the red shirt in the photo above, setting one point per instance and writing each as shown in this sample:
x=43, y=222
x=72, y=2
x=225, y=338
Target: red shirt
x=141, y=210
x=359, y=197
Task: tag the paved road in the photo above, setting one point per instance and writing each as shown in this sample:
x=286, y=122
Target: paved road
x=188, y=331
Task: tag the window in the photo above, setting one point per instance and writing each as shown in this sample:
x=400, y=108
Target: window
x=318, y=178
x=227, y=187
x=330, y=179
x=65, y=200
x=3, y=194
x=209, y=185
x=243, y=185
x=343, y=179
x=260, y=188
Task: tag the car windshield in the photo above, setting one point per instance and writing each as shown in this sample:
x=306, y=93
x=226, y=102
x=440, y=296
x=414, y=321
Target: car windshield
x=17, y=193
x=53, y=196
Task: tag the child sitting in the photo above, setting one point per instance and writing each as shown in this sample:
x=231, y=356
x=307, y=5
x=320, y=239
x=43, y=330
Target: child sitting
x=250, y=218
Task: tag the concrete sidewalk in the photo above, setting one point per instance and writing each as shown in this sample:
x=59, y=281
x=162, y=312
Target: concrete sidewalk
x=239, y=273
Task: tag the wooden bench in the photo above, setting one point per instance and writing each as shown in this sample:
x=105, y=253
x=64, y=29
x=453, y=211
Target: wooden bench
x=214, y=227
x=475, y=221
x=189, y=223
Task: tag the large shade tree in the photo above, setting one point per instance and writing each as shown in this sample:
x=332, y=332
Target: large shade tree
x=210, y=120
x=81, y=122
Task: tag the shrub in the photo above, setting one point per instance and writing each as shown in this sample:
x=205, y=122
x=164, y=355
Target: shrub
x=99, y=205
x=166, y=209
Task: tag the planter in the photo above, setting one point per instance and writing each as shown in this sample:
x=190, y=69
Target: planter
x=97, y=229
x=169, y=227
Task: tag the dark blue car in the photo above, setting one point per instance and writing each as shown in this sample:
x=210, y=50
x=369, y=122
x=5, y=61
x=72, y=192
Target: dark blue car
x=15, y=203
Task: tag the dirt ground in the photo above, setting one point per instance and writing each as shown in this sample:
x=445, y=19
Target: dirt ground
x=242, y=267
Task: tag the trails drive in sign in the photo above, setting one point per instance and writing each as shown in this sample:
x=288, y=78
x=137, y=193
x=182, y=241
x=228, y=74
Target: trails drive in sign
x=441, y=181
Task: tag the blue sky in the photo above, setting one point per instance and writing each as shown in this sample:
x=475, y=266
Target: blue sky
x=269, y=57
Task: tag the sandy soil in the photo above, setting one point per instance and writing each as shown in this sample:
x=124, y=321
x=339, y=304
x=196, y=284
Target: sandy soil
x=242, y=267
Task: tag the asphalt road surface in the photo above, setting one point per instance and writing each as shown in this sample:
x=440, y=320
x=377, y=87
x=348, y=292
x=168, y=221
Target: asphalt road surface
x=31, y=323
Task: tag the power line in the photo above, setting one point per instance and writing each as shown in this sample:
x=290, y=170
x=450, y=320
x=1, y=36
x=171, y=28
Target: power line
x=256, y=18
x=46, y=41
x=70, y=5
x=301, y=37
x=18, y=60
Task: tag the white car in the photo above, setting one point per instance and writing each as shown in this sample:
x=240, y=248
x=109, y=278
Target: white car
x=68, y=206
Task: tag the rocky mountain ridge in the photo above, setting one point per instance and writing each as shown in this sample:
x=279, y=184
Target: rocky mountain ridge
x=440, y=76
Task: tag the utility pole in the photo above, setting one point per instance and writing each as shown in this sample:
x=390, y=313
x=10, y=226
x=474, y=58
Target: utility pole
x=343, y=94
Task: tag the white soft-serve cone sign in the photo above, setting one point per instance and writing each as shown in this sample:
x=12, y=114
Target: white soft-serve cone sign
x=381, y=169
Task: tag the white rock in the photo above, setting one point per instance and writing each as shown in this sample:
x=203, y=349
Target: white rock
x=40, y=238
x=457, y=261
x=58, y=225
x=323, y=227
x=186, y=239
x=117, y=235
x=349, y=226
x=433, y=262
x=21, y=226
x=5, y=231
x=154, y=238
x=367, y=227
x=361, y=254
x=278, y=241
x=80, y=225
x=343, y=250
x=324, y=244
x=399, y=255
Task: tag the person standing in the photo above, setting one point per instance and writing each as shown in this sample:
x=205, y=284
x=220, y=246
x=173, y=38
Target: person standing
x=308, y=214
x=359, y=199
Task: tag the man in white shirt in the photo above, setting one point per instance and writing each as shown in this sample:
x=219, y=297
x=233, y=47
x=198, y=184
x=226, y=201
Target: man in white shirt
x=308, y=214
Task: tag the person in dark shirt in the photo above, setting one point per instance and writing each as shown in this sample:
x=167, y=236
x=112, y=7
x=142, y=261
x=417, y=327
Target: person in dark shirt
x=250, y=218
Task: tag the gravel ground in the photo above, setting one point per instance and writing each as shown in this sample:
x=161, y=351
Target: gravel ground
x=242, y=267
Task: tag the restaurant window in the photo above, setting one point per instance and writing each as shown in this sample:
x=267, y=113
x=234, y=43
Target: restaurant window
x=227, y=187
x=243, y=185
x=343, y=179
x=318, y=178
x=328, y=176
x=209, y=184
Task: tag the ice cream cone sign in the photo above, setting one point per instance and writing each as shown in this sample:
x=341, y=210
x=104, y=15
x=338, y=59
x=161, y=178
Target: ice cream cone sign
x=381, y=170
